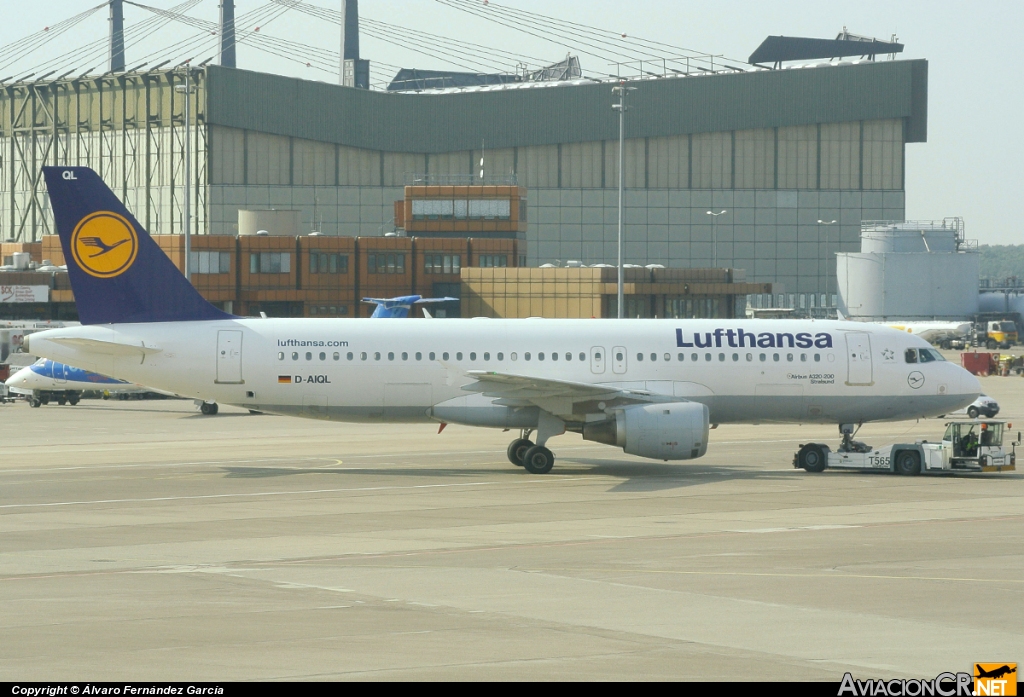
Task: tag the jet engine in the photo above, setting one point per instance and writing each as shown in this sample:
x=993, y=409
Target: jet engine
x=672, y=431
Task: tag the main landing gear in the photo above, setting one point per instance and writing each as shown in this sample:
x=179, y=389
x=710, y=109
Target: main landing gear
x=534, y=457
x=208, y=408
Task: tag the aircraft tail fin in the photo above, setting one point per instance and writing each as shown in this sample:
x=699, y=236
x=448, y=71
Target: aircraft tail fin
x=118, y=272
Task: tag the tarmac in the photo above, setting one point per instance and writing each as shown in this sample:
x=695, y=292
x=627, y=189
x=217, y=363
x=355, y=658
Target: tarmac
x=142, y=541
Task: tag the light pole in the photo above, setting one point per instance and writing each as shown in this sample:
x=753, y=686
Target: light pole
x=714, y=237
x=187, y=90
x=621, y=90
x=828, y=296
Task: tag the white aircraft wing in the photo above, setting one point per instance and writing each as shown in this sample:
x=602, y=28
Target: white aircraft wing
x=562, y=398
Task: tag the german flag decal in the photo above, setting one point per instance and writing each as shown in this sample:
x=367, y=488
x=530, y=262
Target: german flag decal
x=284, y=379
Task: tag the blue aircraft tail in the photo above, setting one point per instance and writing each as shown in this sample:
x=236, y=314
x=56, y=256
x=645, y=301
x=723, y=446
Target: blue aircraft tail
x=398, y=308
x=117, y=271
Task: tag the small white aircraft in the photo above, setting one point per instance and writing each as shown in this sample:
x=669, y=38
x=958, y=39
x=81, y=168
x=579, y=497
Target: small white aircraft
x=45, y=381
x=650, y=387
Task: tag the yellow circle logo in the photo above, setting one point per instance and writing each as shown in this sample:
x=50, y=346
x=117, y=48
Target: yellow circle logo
x=104, y=244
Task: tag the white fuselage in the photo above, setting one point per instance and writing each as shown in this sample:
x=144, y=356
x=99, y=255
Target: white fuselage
x=932, y=331
x=353, y=370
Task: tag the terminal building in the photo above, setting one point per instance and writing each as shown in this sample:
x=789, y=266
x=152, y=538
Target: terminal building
x=796, y=157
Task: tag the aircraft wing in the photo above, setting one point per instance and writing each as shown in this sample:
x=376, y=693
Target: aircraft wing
x=563, y=398
x=435, y=300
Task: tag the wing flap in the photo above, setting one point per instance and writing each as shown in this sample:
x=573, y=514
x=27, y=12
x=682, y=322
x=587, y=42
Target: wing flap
x=564, y=398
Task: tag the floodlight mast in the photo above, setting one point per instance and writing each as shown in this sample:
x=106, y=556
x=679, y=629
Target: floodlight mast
x=714, y=236
x=621, y=89
x=187, y=89
x=828, y=274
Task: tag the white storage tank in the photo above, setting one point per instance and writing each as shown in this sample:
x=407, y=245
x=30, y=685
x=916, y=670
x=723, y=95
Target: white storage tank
x=909, y=270
x=274, y=222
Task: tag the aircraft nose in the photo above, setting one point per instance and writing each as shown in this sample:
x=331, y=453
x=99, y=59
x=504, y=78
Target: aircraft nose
x=18, y=379
x=969, y=383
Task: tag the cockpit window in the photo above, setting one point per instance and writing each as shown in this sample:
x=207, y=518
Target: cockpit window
x=922, y=355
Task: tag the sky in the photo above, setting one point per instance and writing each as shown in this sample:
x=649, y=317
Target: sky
x=970, y=166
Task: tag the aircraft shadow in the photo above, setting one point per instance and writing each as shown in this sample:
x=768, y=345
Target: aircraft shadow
x=657, y=476
x=635, y=476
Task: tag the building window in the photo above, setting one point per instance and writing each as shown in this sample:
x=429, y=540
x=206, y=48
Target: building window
x=491, y=261
x=209, y=262
x=462, y=209
x=321, y=262
x=270, y=262
x=442, y=263
x=386, y=263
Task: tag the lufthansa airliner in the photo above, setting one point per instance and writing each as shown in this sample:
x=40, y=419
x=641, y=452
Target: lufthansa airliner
x=650, y=387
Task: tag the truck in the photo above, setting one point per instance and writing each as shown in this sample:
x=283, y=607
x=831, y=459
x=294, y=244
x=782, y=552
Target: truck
x=1000, y=334
x=975, y=445
x=5, y=372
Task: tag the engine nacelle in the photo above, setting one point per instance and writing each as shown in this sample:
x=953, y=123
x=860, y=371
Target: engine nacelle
x=673, y=431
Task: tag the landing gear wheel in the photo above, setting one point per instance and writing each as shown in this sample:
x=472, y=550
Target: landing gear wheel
x=538, y=460
x=973, y=412
x=209, y=408
x=517, y=450
x=73, y=400
x=62, y=401
x=44, y=400
x=812, y=458
x=908, y=463
x=34, y=403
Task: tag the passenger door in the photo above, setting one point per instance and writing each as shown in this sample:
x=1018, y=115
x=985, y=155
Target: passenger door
x=858, y=358
x=229, y=356
x=597, y=360
x=619, y=360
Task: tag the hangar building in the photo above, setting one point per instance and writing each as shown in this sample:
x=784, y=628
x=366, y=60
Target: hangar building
x=778, y=150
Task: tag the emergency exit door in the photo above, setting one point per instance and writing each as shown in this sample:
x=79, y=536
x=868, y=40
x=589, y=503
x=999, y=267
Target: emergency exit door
x=229, y=356
x=858, y=358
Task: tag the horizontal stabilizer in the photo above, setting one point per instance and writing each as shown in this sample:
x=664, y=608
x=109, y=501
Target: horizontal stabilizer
x=108, y=348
